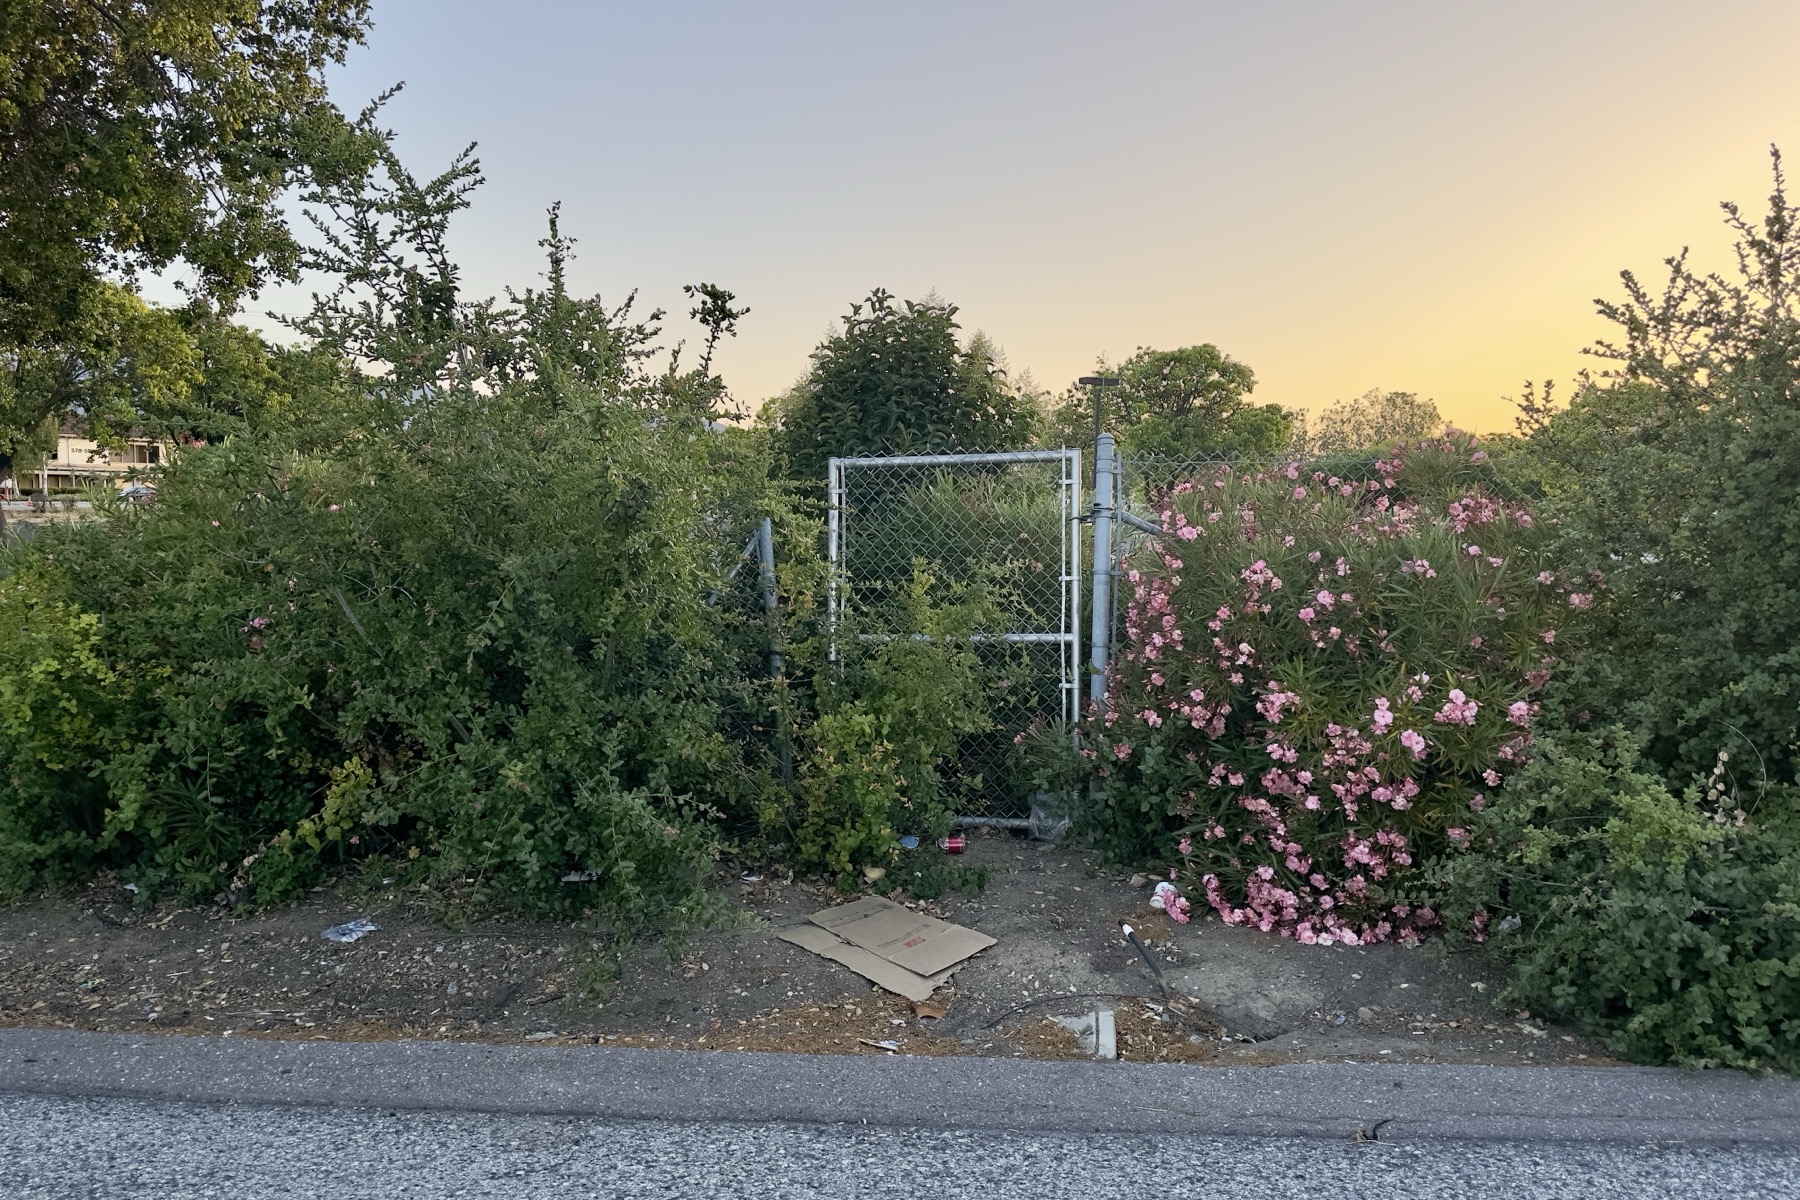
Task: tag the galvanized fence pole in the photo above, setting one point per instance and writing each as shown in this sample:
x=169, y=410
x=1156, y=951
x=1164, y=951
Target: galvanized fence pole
x=1070, y=617
x=766, y=554
x=777, y=665
x=1105, y=499
x=834, y=532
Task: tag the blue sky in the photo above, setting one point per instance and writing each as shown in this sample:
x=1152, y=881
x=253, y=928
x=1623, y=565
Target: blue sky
x=1419, y=196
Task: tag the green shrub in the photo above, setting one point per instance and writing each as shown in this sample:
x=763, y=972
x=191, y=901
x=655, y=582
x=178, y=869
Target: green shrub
x=879, y=759
x=455, y=610
x=442, y=637
x=1675, y=474
x=1668, y=924
x=1316, y=686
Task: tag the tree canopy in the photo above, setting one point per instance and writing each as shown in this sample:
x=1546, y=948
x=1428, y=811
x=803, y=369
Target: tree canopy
x=896, y=380
x=1186, y=403
x=136, y=135
x=1375, y=420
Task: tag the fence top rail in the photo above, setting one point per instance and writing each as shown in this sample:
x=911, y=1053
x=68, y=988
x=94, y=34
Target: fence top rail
x=933, y=460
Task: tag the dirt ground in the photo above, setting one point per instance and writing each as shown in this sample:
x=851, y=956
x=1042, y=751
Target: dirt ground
x=94, y=960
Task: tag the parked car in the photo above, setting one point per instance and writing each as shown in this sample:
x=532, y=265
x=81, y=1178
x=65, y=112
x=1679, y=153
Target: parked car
x=138, y=493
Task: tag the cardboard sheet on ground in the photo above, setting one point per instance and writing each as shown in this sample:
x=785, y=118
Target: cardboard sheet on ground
x=888, y=944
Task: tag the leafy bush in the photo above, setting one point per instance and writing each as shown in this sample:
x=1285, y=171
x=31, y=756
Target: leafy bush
x=1669, y=924
x=1675, y=474
x=421, y=640
x=892, y=711
x=453, y=610
x=1318, y=685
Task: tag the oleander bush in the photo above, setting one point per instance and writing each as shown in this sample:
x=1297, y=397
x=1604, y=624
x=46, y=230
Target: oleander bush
x=1319, y=685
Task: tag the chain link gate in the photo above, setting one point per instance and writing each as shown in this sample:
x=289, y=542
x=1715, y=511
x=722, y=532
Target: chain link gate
x=1007, y=523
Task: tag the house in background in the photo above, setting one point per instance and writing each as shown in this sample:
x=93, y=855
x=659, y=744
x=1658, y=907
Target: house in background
x=79, y=461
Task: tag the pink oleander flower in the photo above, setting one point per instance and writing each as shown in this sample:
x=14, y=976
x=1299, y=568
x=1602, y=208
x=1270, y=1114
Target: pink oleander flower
x=1122, y=751
x=1299, y=493
x=1580, y=599
x=1414, y=743
x=1546, y=577
x=1549, y=636
x=1325, y=599
x=1382, y=717
x=1519, y=713
x=1458, y=710
x=1307, y=613
x=1186, y=846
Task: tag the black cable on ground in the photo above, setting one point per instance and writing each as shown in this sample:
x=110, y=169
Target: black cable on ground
x=1149, y=961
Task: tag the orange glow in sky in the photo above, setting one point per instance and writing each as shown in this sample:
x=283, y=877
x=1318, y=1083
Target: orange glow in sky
x=1417, y=196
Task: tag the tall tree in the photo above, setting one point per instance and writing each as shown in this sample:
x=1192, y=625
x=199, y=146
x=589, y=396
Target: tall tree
x=1375, y=420
x=1186, y=403
x=116, y=360
x=136, y=134
x=896, y=380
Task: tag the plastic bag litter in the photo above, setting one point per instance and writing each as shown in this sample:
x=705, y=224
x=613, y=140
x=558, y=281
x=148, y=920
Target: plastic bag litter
x=349, y=931
x=1044, y=827
x=1051, y=816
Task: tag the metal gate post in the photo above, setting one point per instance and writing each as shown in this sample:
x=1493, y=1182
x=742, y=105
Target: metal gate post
x=834, y=532
x=765, y=546
x=1105, y=499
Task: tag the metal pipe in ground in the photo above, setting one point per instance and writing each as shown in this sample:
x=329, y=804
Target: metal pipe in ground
x=1105, y=493
x=1021, y=823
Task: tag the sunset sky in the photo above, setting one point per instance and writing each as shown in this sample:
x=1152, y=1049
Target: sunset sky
x=1417, y=196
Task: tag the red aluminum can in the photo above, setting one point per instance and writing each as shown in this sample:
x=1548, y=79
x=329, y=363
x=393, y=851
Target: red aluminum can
x=954, y=844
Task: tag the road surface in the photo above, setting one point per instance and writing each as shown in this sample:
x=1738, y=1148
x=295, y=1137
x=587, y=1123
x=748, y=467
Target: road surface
x=92, y=1115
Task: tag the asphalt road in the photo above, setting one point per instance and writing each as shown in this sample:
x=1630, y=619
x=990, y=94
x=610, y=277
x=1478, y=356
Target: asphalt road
x=57, y=1149
x=93, y=1115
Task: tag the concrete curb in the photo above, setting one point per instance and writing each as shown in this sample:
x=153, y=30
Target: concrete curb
x=1318, y=1100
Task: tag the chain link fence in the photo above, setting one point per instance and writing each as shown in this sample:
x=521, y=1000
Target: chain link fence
x=993, y=534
